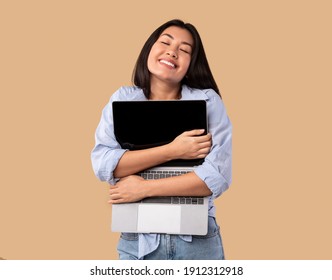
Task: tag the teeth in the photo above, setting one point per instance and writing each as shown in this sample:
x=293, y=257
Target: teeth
x=168, y=63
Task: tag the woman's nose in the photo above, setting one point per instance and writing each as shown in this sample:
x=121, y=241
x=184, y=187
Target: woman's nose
x=172, y=53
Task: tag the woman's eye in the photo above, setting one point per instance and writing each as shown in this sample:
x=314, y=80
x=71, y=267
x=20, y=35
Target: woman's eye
x=165, y=43
x=185, y=51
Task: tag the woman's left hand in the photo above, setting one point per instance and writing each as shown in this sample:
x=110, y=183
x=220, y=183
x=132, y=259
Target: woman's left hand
x=128, y=189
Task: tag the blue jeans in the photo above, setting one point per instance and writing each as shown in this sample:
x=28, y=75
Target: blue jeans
x=172, y=247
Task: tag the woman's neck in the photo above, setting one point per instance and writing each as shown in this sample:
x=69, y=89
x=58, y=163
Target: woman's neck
x=165, y=91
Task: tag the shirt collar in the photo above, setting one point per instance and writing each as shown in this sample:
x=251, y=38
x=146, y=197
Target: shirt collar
x=187, y=93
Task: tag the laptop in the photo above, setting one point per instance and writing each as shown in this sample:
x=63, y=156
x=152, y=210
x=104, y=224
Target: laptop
x=146, y=124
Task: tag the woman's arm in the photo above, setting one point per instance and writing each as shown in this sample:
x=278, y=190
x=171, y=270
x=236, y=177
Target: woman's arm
x=134, y=188
x=110, y=161
x=188, y=145
x=212, y=177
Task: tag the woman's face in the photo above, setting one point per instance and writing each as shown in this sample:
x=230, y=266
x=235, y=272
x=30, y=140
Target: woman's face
x=170, y=56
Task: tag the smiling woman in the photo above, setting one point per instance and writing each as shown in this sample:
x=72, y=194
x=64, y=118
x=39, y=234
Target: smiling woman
x=171, y=66
x=198, y=75
x=169, y=60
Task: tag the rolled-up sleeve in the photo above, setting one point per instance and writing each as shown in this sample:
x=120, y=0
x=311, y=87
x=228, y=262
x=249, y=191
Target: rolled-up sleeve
x=216, y=170
x=107, y=151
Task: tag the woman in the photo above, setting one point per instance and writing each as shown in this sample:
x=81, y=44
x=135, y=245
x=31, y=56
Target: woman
x=171, y=66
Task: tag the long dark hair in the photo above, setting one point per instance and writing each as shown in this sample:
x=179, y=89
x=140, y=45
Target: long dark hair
x=198, y=75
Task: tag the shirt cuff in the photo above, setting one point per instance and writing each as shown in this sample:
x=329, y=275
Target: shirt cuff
x=214, y=180
x=113, y=158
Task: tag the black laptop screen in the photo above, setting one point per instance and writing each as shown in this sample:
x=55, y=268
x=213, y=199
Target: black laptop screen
x=146, y=124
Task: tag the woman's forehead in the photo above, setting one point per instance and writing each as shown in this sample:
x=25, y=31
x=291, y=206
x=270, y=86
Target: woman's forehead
x=177, y=33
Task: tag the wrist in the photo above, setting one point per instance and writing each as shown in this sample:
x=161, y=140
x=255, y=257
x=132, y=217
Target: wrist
x=169, y=152
x=145, y=186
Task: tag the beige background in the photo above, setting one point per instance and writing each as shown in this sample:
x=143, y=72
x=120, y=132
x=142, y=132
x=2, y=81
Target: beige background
x=61, y=61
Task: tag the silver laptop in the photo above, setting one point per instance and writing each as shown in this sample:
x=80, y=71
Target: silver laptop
x=146, y=124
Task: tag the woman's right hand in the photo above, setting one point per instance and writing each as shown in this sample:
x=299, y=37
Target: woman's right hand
x=191, y=145
x=188, y=145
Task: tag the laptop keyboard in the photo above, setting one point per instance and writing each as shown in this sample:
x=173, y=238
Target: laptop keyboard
x=158, y=174
x=153, y=174
x=174, y=200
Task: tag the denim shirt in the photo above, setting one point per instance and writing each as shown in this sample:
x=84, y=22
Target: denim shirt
x=215, y=171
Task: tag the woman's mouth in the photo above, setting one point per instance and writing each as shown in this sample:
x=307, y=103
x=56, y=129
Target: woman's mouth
x=167, y=63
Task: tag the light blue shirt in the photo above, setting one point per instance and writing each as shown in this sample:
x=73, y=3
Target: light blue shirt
x=216, y=170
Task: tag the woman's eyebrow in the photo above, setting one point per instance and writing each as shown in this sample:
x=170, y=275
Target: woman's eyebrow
x=170, y=36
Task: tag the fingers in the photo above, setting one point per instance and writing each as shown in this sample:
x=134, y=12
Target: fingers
x=116, y=201
x=194, y=132
x=203, y=145
x=125, y=190
x=202, y=153
x=115, y=197
x=114, y=191
x=203, y=138
x=198, y=135
x=192, y=144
